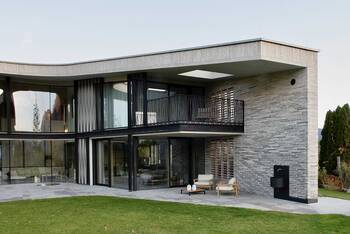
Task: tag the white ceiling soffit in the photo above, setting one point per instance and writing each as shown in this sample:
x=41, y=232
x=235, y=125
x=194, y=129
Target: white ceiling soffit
x=205, y=74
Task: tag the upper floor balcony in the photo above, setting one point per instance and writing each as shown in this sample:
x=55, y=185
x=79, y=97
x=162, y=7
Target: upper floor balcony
x=192, y=110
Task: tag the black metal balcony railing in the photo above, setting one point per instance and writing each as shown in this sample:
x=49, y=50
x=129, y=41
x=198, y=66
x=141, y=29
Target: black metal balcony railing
x=193, y=109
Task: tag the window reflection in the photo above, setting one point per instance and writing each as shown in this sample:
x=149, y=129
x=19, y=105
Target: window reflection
x=62, y=114
x=115, y=105
x=38, y=161
x=152, y=163
x=42, y=108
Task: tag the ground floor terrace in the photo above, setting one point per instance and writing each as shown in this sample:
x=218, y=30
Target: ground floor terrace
x=325, y=205
x=135, y=162
x=128, y=162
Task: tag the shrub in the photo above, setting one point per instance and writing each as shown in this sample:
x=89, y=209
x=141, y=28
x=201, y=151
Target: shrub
x=322, y=174
x=345, y=175
x=333, y=182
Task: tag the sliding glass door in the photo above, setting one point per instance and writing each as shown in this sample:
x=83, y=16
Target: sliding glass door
x=179, y=161
x=111, y=163
x=102, y=162
x=119, y=162
x=152, y=163
x=37, y=161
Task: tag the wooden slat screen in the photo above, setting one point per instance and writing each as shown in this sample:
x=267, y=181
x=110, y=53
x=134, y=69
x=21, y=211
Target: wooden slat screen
x=221, y=156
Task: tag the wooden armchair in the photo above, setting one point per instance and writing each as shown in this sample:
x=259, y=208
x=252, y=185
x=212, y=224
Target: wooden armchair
x=204, y=181
x=231, y=186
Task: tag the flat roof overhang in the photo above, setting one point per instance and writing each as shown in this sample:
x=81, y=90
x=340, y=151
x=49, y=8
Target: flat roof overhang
x=241, y=58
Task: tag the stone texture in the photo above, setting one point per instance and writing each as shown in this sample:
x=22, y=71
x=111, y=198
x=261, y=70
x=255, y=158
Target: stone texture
x=280, y=129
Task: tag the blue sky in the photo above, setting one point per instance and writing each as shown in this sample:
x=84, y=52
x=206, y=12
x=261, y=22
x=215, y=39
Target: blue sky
x=66, y=31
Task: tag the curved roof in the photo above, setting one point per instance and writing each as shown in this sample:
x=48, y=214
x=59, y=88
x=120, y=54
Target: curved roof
x=210, y=54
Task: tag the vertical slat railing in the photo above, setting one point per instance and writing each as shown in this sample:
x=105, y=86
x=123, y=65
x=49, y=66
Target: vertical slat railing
x=195, y=109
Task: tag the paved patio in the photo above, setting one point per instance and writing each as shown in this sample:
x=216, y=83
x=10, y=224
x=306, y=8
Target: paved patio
x=36, y=191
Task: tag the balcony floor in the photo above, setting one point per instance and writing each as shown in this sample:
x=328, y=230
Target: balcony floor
x=36, y=191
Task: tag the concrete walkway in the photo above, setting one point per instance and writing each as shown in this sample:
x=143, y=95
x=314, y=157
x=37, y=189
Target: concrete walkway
x=35, y=191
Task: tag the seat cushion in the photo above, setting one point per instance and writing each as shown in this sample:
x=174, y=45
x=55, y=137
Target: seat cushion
x=202, y=183
x=205, y=177
x=224, y=188
x=232, y=181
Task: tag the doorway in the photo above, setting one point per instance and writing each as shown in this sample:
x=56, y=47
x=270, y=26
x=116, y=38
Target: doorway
x=111, y=163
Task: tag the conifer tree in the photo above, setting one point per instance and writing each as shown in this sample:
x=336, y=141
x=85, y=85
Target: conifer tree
x=335, y=138
x=36, y=122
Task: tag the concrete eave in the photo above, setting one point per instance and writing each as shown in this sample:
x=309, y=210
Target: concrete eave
x=232, y=52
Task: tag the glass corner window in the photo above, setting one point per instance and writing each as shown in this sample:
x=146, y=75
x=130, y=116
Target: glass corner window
x=116, y=105
x=37, y=108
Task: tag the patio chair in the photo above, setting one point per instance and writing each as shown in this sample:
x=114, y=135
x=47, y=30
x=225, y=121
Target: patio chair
x=204, y=181
x=231, y=186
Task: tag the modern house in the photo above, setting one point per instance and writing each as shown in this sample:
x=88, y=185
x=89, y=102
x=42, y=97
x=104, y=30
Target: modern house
x=246, y=109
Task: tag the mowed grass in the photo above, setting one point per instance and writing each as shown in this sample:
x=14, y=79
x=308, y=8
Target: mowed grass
x=332, y=193
x=119, y=215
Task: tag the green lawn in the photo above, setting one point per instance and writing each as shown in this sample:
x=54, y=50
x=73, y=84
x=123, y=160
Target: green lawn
x=332, y=193
x=119, y=215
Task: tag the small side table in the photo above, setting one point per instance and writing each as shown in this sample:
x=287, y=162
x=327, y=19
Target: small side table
x=197, y=191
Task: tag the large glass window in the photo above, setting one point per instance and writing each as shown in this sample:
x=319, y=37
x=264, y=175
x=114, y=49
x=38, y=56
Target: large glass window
x=179, y=161
x=102, y=162
x=62, y=109
x=4, y=162
x=116, y=105
x=31, y=110
x=157, y=103
x=34, y=153
x=38, y=108
x=37, y=161
x=152, y=163
x=119, y=162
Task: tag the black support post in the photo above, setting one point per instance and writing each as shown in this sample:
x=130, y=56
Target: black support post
x=190, y=167
x=7, y=93
x=76, y=145
x=130, y=103
x=130, y=161
x=87, y=143
x=145, y=103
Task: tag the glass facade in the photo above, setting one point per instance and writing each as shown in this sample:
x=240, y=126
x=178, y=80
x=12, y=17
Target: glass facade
x=111, y=163
x=116, y=105
x=30, y=108
x=102, y=162
x=37, y=161
x=119, y=163
x=62, y=109
x=179, y=161
x=36, y=108
x=152, y=163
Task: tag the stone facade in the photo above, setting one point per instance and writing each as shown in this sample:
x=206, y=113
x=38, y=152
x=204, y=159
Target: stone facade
x=280, y=122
